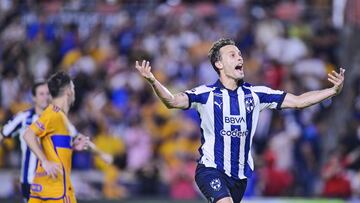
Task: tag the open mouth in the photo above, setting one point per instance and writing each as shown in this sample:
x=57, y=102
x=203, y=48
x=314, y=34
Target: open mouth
x=238, y=67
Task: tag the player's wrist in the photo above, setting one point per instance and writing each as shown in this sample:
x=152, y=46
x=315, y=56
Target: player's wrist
x=151, y=80
x=44, y=162
x=335, y=90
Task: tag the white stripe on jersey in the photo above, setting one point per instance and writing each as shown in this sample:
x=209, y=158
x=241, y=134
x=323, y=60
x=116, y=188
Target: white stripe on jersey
x=229, y=135
x=227, y=127
x=15, y=127
x=207, y=118
x=243, y=138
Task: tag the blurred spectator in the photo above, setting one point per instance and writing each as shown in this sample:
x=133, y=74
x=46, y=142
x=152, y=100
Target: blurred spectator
x=276, y=182
x=289, y=45
x=148, y=178
x=312, y=71
x=139, y=145
x=286, y=49
x=114, y=146
x=182, y=181
x=307, y=154
x=336, y=183
x=10, y=87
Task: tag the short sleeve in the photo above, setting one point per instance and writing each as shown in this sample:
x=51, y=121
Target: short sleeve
x=198, y=95
x=268, y=97
x=40, y=126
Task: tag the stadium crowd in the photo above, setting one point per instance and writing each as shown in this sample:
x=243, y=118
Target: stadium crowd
x=289, y=45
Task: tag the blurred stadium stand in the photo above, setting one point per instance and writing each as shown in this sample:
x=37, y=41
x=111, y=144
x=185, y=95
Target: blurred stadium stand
x=290, y=45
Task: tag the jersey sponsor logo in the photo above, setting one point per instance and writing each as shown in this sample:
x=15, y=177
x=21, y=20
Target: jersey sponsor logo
x=215, y=184
x=234, y=119
x=234, y=133
x=40, y=125
x=36, y=187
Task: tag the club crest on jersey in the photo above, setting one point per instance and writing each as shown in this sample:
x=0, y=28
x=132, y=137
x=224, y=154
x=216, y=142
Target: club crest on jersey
x=216, y=184
x=249, y=103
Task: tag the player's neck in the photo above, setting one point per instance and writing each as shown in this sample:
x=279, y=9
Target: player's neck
x=229, y=83
x=38, y=110
x=62, y=104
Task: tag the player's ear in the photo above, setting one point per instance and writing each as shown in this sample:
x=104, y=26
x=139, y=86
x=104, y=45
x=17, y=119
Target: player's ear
x=67, y=90
x=218, y=65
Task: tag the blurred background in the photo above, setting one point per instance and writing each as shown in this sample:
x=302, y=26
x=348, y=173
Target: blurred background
x=286, y=44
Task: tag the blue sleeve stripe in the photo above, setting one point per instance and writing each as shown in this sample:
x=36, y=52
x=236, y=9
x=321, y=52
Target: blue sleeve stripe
x=61, y=141
x=190, y=100
x=198, y=98
x=270, y=98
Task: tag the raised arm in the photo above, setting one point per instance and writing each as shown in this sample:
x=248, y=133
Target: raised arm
x=180, y=100
x=313, y=97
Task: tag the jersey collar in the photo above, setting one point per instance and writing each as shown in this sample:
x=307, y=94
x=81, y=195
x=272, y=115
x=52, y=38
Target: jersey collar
x=219, y=84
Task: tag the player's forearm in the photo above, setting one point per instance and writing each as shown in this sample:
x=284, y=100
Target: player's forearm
x=33, y=143
x=163, y=93
x=313, y=97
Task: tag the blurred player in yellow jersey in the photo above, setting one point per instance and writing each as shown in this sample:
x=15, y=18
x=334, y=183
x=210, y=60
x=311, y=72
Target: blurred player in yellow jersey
x=54, y=152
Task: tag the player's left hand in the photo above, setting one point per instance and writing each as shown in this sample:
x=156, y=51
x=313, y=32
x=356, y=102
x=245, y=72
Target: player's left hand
x=81, y=142
x=337, y=79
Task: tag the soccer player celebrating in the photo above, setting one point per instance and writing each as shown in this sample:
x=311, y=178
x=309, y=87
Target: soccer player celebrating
x=53, y=129
x=16, y=127
x=229, y=111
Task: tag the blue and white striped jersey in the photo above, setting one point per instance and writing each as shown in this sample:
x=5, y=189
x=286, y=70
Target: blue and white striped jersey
x=16, y=127
x=228, y=122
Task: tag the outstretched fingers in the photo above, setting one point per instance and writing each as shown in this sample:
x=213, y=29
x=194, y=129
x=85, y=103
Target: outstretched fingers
x=333, y=77
x=336, y=78
x=148, y=67
x=144, y=65
x=342, y=72
x=332, y=81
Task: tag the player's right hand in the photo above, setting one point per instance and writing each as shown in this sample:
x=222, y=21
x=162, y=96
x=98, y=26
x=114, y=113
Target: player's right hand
x=145, y=70
x=337, y=79
x=81, y=142
x=52, y=169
